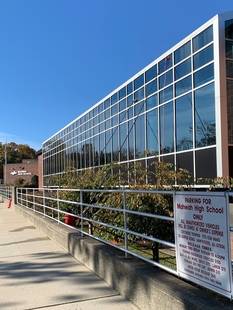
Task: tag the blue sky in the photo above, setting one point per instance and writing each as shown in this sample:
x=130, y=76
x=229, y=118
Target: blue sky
x=60, y=57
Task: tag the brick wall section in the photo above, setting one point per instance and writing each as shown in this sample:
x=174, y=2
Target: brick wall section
x=24, y=170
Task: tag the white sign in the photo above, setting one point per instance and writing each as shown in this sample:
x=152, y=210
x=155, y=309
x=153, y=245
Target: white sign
x=202, y=240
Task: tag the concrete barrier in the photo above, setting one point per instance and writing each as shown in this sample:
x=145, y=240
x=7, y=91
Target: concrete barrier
x=145, y=286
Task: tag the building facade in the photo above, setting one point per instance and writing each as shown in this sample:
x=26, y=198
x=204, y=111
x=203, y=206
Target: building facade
x=25, y=170
x=178, y=109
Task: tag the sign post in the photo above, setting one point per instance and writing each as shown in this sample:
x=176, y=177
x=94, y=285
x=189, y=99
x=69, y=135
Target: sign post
x=203, y=240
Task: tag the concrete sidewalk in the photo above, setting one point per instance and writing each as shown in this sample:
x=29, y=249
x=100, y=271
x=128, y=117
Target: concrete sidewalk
x=37, y=274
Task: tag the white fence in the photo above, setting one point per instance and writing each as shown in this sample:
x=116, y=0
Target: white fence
x=185, y=233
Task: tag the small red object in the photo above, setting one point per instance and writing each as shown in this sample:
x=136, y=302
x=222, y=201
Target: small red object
x=9, y=203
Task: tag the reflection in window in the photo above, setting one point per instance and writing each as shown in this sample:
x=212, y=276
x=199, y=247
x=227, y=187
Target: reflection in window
x=165, y=64
x=139, y=82
x=166, y=94
x=229, y=49
x=152, y=102
x=123, y=141
x=151, y=87
x=184, y=136
x=108, y=148
x=152, y=131
x=229, y=29
x=165, y=79
x=203, y=38
x=131, y=139
x=129, y=88
x=205, y=116
x=114, y=98
x=204, y=75
x=139, y=108
x=183, y=85
x=151, y=73
x=115, y=147
x=122, y=93
x=183, y=52
x=183, y=69
x=229, y=69
x=166, y=128
x=138, y=95
x=203, y=57
x=122, y=105
x=140, y=136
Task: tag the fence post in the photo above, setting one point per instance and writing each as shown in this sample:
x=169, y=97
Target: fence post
x=125, y=224
x=58, y=207
x=81, y=210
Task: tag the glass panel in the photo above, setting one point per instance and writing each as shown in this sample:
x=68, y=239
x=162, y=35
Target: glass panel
x=229, y=29
x=129, y=100
x=206, y=163
x=123, y=141
x=185, y=161
x=152, y=131
x=108, y=146
x=166, y=128
x=229, y=49
x=102, y=149
x=107, y=103
x=205, y=116
x=151, y=73
x=122, y=105
x=204, y=75
x=139, y=108
x=165, y=64
x=184, y=136
x=183, y=52
x=138, y=95
x=165, y=79
x=114, y=109
x=130, y=112
x=107, y=113
x=139, y=82
x=151, y=87
x=123, y=116
x=203, y=38
x=131, y=139
x=122, y=93
x=114, y=98
x=115, y=150
x=183, y=85
x=115, y=120
x=152, y=102
x=129, y=88
x=166, y=94
x=140, y=136
x=229, y=68
x=203, y=57
x=183, y=69
x=100, y=107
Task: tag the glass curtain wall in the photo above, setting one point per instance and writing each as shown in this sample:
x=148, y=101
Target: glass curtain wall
x=167, y=112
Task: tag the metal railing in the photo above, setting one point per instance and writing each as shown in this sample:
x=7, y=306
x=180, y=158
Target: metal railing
x=6, y=192
x=115, y=223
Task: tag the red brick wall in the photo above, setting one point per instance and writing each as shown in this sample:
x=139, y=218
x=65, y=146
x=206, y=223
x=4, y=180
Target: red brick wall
x=24, y=170
x=40, y=171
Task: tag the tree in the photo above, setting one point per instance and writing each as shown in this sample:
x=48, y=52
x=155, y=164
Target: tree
x=15, y=153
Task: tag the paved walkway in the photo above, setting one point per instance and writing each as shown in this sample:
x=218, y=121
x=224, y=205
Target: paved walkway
x=37, y=274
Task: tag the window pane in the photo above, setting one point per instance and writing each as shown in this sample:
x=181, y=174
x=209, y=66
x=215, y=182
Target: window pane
x=152, y=102
x=165, y=79
x=183, y=85
x=139, y=108
x=229, y=68
x=183, y=69
x=129, y=88
x=138, y=95
x=166, y=128
x=151, y=87
x=122, y=93
x=139, y=82
x=203, y=57
x=206, y=163
x=152, y=131
x=122, y=105
x=204, y=75
x=229, y=49
x=205, y=116
x=185, y=161
x=123, y=141
x=131, y=139
x=203, y=38
x=130, y=100
x=140, y=136
x=229, y=29
x=165, y=64
x=184, y=137
x=166, y=94
x=151, y=73
x=183, y=52
x=107, y=103
x=114, y=98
